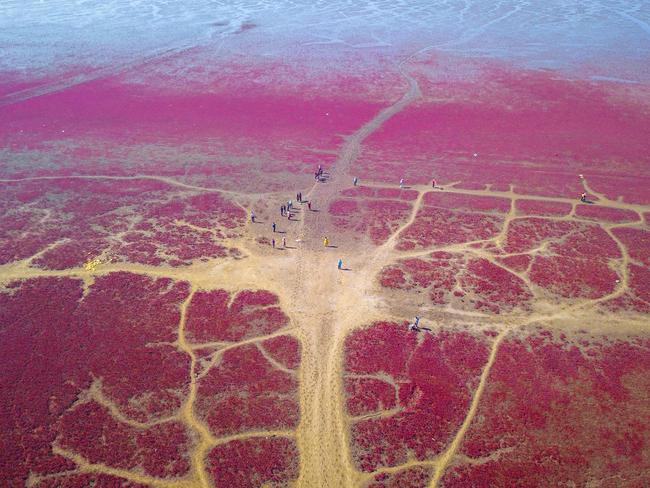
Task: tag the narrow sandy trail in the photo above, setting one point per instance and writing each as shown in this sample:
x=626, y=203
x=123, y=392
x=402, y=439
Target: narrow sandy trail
x=445, y=458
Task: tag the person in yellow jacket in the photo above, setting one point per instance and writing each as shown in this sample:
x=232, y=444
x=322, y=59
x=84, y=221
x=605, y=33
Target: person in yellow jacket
x=326, y=241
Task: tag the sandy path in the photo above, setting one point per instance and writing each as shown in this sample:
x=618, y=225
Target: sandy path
x=335, y=302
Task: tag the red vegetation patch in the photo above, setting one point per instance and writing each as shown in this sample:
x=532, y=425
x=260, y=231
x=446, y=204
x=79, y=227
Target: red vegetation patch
x=377, y=217
x=95, y=480
x=450, y=218
x=91, y=431
x=56, y=342
x=438, y=226
x=473, y=281
x=552, y=415
x=541, y=207
x=632, y=189
x=368, y=395
x=436, y=378
x=259, y=461
x=284, y=349
x=639, y=283
x=579, y=266
x=517, y=262
x=416, y=477
x=508, y=116
x=608, y=214
x=637, y=242
x=467, y=203
x=343, y=208
x=243, y=391
x=140, y=221
x=233, y=126
x=212, y=317
x=573, y=278
x=637, y=294
x=526, y=234
x=370, y=192
x=495, y=287
x=571, y=259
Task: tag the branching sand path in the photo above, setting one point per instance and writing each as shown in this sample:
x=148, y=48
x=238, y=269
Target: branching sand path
x=328, y=314
x=324, y=305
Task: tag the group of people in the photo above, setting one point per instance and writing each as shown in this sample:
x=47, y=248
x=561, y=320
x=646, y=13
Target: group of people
x=287, y=210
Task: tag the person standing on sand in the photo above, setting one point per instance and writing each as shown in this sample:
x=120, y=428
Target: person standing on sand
x=289, y=205
x=583, y=197
x=401, y=183
x=326, y=241
x=273, y=227
x=252, y=217
x=284, y=242
x=340, y=264
x=273, y=243
x=433, y=184
x=355, y=180
x=309, y=205
x=282, y=210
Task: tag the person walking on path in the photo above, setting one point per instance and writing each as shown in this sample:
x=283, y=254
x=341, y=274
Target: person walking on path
x=273, y=243
x=401, y=183
x=282, y=210
x=252, y=216
x=273, y=227
x=289, y=205
x=417, y=321
x=284, y=242
x=433, y=184
x=340, y=264
x=309, y=205
x=326, y=241
x=355, y=180
x=583, y=197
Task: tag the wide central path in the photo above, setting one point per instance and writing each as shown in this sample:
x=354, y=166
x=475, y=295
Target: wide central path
x=327, y=304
